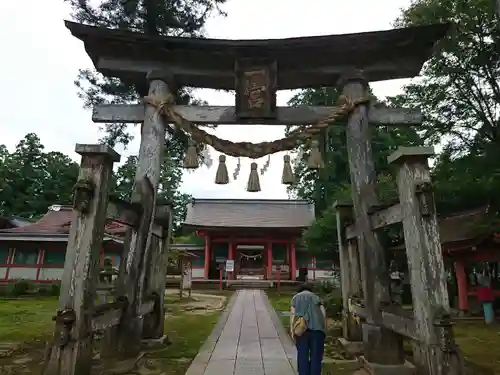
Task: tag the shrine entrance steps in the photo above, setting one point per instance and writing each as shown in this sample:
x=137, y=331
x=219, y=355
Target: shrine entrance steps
x=248, y=339
x=199, y=284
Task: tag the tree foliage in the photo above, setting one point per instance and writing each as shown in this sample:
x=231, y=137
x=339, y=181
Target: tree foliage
x=154, y=18
x=459, y=94
x=168, y=190
x=31, y=180
x=332, y=183
x=459, y=87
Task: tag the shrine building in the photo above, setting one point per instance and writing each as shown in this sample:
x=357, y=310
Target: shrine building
x=261, y=236
x=35, y=251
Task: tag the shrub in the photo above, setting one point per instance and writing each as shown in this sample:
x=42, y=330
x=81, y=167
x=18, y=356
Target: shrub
x=326, y=287
x=43, y=291
x=55, y=289
x=333, y=305
x=20, y=288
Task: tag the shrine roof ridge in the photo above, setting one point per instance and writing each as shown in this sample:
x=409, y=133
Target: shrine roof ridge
x=210, y=63
x=249, y=213
x=249, y=201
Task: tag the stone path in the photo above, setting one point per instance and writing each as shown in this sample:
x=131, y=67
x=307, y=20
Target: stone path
x=248, y=340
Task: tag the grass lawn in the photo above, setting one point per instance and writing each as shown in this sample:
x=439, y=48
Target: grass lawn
x=480, y=343
x=281, y=303
x=26, y=319
x=187, y=333
x=188, y=323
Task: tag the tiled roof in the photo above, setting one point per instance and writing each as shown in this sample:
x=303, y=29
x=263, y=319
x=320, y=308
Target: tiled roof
x=471, y=226
x=464, y=225
x=249, y=213
x=58, y=221
x=18, y=221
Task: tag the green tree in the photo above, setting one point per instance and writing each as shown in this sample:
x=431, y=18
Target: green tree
x=332, y=183
x=32, y=180
x=459, y=87
x=459, y=94
x=168, y=190
x=461, y=182
x=154, y=18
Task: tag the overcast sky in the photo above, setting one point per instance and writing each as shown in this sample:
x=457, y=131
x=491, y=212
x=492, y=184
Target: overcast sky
x=40, y=61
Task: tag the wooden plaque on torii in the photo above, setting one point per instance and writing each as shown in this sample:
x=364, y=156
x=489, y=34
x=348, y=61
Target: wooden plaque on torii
x=255, y=83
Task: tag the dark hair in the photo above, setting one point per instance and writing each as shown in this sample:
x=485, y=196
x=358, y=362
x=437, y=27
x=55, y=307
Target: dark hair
x=305, y=286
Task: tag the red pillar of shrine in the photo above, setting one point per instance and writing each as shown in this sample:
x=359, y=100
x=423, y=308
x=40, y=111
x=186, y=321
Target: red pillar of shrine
x=463, y=302
x=293, y=261
x=269, y=246
x=230, y=256
x=207, y=255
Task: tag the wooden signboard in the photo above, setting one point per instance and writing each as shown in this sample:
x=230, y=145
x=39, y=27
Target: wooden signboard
x=229, y=265
x=186, y=277
x=255, y=88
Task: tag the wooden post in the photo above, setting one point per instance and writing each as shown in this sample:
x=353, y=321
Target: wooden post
x=425, y=262
x=230, y=276
x=207, y=257
x=344, y=271
x=353, y=253
x=463, y=295
x=381, y=345
x=155, y=282
x=125, y=340
x=220, y=267
x=71, y=350
x=190, y=268
x=181, y=276
x=351, y=329
x=293, y=261
x=269, y=252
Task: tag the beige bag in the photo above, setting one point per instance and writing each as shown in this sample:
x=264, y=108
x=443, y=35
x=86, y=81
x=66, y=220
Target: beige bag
x=299, y=326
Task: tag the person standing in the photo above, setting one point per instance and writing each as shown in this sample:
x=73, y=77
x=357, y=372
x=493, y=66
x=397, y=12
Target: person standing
x=308, y=328
x=485, y=295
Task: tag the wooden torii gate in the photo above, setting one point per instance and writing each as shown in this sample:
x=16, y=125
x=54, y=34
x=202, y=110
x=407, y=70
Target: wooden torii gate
x=256, y=69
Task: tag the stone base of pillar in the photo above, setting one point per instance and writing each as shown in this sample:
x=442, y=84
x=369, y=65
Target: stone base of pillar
x=352, y=347
x=383, y=346
x=376, y=369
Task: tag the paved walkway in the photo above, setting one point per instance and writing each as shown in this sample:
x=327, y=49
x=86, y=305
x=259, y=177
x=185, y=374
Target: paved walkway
x=248, y=340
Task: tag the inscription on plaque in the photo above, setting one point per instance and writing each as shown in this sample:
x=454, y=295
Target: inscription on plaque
x=255, y=89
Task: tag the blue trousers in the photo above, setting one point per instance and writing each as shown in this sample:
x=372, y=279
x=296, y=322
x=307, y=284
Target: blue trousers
x=489, y=313
x=310, y=347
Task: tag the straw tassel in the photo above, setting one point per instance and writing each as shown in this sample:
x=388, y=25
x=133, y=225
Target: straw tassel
x=287, y=178
x=253, y=180
x=315, y=160
x=191, y=157
x=222, y=177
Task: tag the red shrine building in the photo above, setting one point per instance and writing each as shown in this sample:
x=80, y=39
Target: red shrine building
x=36, y=251
x=260, y=236
x=472, y=245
